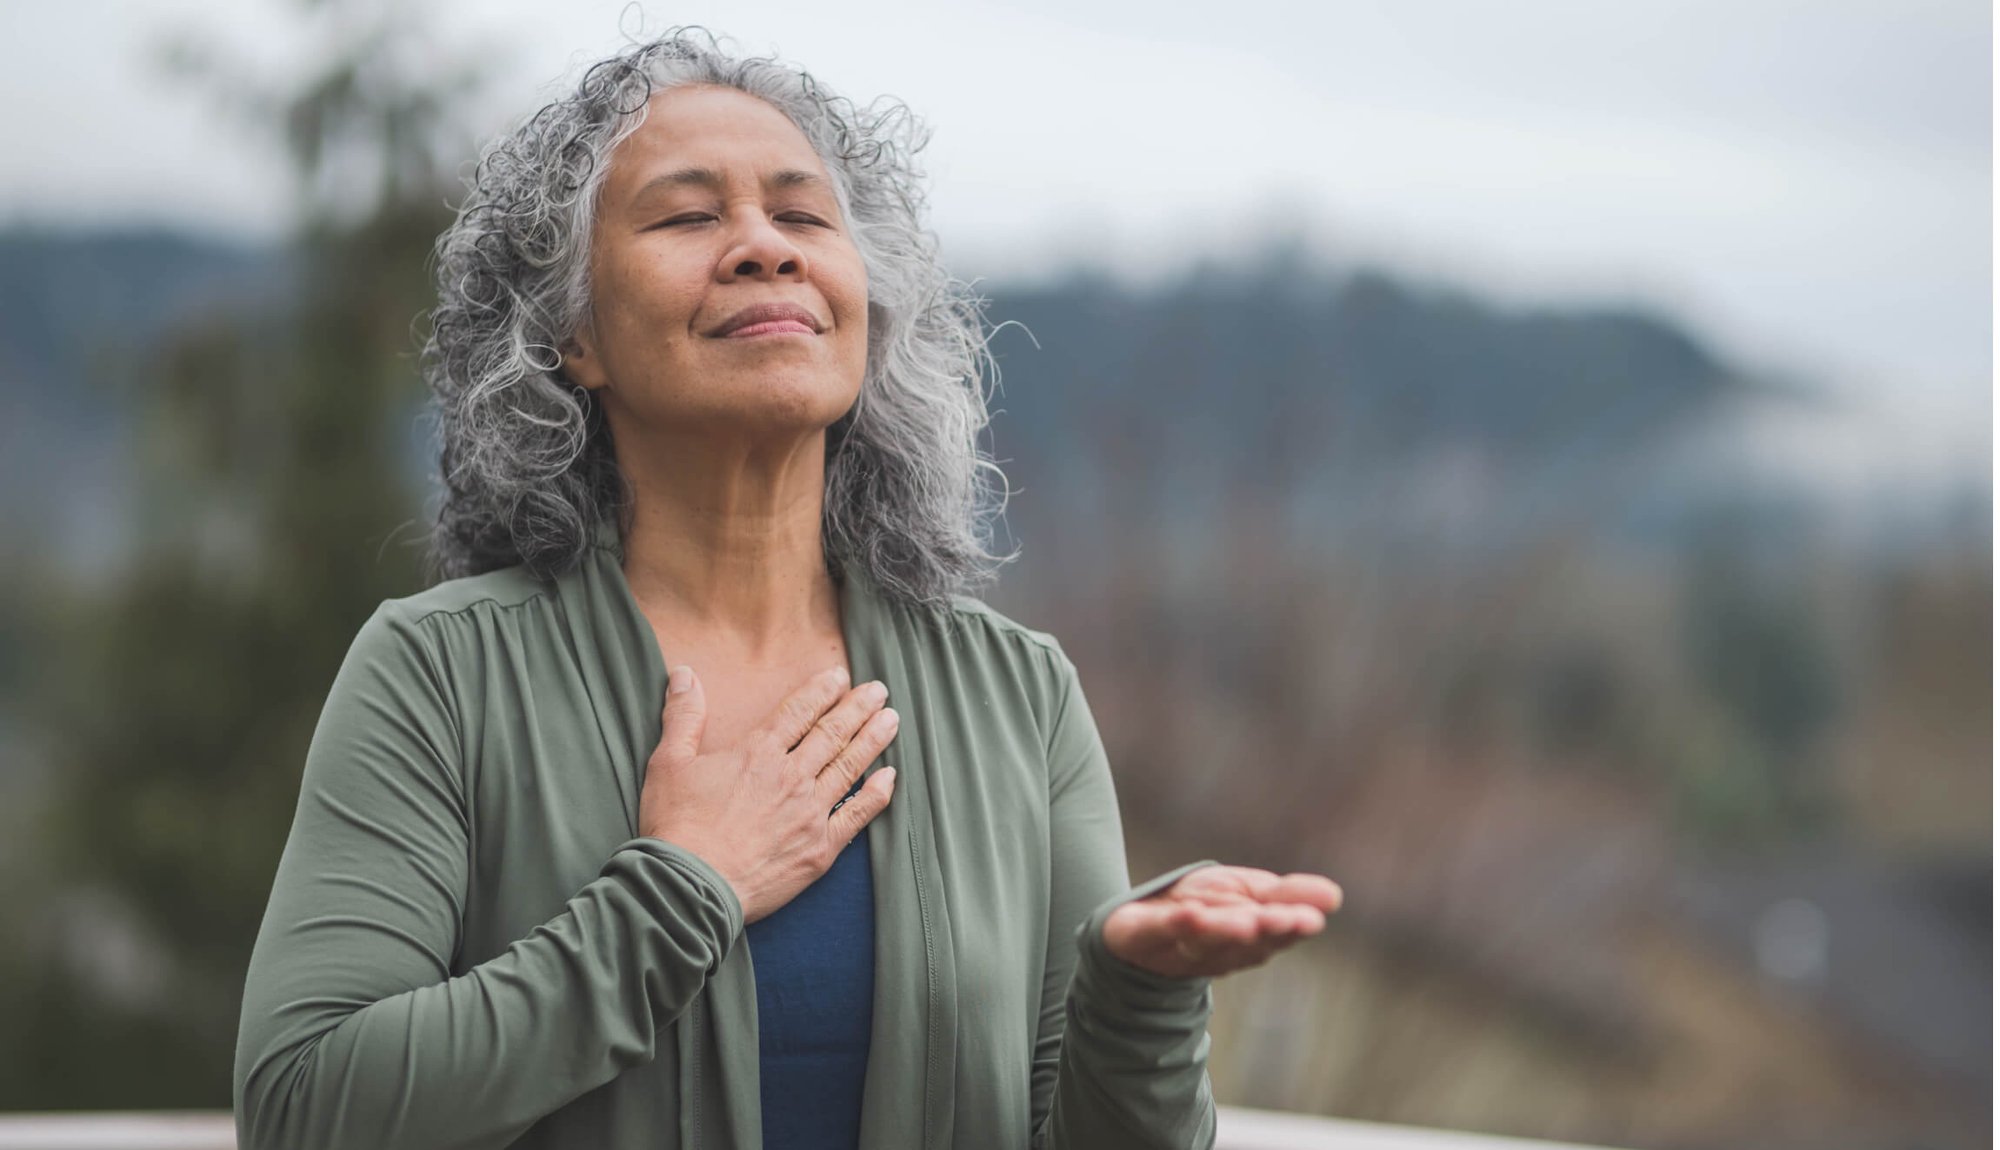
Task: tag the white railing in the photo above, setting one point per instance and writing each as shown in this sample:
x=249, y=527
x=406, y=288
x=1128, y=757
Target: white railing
x=1236, y=1129
x=119, y=1130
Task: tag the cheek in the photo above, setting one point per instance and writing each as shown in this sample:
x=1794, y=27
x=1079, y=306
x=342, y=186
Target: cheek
x=853, y=303
x=650, y=295
x=847, y=282
x=855, y=334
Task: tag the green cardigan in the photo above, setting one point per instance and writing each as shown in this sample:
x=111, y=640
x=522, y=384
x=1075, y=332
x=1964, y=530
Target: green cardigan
x=468, y=945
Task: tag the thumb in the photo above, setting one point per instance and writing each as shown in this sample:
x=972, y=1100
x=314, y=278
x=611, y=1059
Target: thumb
x=685, y=715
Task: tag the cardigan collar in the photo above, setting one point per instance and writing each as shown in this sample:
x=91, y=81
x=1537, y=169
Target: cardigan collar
x=913, y=1032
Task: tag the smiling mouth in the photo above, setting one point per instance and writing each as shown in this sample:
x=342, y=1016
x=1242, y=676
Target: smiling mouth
x=770, y=327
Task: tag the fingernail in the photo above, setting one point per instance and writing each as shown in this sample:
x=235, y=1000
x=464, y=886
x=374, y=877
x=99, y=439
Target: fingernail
x=678, y=678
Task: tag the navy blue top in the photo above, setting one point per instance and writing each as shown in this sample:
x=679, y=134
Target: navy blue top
x=815, y=964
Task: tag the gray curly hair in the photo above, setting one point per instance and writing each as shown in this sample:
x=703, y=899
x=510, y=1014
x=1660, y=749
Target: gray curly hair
x=526, y=456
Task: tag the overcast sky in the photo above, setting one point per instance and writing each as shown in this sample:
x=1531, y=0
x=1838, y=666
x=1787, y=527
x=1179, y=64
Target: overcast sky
x=1806, y=182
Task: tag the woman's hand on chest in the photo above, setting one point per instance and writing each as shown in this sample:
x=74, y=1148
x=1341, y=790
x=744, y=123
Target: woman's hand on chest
x=761, y=811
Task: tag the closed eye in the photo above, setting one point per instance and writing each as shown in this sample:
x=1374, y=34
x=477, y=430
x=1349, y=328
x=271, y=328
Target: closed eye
x=796, y=216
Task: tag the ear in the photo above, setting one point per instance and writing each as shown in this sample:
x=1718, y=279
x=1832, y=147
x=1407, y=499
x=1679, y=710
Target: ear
x=580, y=362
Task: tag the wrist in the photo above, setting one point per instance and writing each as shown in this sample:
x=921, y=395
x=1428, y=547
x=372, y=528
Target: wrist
x=1102, y=972
x=693, y=868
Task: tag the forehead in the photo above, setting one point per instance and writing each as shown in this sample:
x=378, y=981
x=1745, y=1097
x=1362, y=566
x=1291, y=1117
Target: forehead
x=718, y=128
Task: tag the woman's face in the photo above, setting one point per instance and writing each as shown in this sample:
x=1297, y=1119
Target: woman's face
x=715, y=204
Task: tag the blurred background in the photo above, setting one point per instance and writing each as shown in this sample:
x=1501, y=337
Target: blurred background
x=1530, y=462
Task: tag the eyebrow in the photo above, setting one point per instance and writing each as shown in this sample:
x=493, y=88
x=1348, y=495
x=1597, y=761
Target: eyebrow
x=710, y=178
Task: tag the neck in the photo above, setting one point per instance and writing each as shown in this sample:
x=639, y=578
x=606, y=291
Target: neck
x=725, y=545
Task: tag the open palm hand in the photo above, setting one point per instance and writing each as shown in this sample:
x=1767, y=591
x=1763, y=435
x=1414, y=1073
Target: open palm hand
x=1219, y=919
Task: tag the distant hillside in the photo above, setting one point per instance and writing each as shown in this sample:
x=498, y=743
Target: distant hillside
x=1380, y=363
x=72, y=301
x=1290, y=382
x=1334, y=393
x=78, y=310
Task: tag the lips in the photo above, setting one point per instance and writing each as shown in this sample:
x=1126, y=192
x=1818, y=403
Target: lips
x=765, y=318
x=771, y=328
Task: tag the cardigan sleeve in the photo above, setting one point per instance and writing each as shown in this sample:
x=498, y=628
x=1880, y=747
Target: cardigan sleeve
x=354, y=1033
x=1121, y=1056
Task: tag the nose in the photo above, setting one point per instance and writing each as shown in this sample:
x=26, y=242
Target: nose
x=761, y=250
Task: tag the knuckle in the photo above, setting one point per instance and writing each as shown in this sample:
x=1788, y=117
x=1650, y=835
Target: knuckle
x=860, y=756
x=800, y=712
x=834, y=728
x=866, y=806
x=873, y=740
x=825, y=693
x=839, y=725
x=799, y=754
x=838, y=765
x=790, y=780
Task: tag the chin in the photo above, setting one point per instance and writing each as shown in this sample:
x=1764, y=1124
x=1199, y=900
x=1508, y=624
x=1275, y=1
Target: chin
x=801, y=401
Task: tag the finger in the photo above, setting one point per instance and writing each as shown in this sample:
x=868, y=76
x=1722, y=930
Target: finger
x=1222, y=885
x=839, y=775
x=1211, y=926
x=684, y=714
x=1311, y=889
x=1251, y=925
x=1279, y=927
x=1243, y=881
x=837, y=726
x=803, y=707
x=1290, y=918
x=1282, y=924
x=1193, y=939
x=859, y=811
x=1216, y=952
x=1312, y=919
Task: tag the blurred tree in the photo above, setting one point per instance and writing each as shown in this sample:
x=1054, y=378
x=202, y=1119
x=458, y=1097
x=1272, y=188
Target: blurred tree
x=275, y=451
x=1757, y=652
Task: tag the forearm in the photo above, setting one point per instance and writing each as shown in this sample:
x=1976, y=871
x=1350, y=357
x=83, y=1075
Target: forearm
x=474, y=1060
x=1134, y=1061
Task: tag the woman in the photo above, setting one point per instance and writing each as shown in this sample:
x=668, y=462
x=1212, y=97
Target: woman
x=579, y=859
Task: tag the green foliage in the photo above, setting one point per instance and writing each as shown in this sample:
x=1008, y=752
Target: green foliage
x=179, y=700
x=1756, y=649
